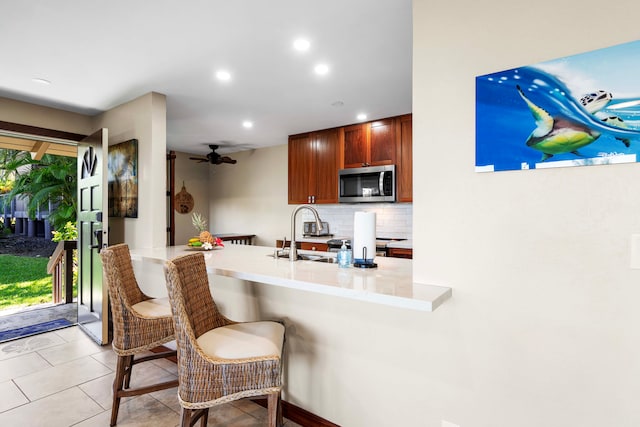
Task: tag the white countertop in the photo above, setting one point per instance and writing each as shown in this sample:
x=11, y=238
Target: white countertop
x=389, y=284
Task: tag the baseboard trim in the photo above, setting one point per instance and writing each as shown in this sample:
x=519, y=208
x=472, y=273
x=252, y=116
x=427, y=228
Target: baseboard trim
x=298, y=415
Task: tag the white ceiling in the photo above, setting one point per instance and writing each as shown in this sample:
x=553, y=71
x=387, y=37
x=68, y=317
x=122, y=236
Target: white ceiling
x=98, y=55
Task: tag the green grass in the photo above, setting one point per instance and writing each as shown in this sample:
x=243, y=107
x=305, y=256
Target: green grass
x=24, y=281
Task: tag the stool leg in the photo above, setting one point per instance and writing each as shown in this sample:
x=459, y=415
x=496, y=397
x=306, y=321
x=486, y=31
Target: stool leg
x=205, y=417
x=186, y=418
x=117, y=387
x=274, y=409
x=128, y=370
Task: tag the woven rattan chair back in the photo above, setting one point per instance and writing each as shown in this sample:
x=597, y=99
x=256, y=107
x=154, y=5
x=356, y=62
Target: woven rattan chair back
x=204, y=380
x=123, y=288
x=132, y=334
x=192, y=293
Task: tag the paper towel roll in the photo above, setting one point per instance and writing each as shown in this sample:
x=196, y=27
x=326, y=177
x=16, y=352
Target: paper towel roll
x=364, y=236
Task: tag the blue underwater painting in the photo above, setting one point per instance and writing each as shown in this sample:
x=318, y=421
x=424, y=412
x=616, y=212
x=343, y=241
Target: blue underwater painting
x=574, y=111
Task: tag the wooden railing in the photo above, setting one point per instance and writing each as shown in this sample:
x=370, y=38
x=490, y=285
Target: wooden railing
x=61, y=267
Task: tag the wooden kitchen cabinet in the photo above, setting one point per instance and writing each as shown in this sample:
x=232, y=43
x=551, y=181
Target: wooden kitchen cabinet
x=404, y=156
x=382, y=143
x=354, y=145
x=316, y=157
x=313, y=167
x=307, y=246
x=369, y=144
x=312, y=246
x=400, y=253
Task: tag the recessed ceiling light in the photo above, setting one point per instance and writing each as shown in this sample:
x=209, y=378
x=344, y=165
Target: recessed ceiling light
x=361, y=116
x=223, y=75
x=301, y=45
x=247, y=124
x=41, y=81
x=321, y=69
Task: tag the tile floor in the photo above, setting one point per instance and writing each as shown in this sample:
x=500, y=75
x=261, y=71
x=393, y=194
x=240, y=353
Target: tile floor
x=62, y=378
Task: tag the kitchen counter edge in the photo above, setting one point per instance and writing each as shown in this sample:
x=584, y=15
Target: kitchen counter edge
x=390, y=284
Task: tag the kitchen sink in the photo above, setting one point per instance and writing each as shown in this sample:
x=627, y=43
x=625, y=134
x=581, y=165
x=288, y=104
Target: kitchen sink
x=310, y=257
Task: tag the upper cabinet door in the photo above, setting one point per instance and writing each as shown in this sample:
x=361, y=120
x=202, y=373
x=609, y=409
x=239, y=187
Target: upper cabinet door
x=314, y=159
x=382, y=143
x=356, y=146
x=404, y=175
x=327, y=149
x=301, y=164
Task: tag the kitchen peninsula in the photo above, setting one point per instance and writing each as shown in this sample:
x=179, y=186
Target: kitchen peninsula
x=389, y=284
x=348, y=331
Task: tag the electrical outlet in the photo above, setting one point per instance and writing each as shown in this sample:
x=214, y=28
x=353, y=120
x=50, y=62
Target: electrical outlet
x=448, y=424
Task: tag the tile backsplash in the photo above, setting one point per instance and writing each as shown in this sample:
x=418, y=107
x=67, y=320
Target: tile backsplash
x=392, y=219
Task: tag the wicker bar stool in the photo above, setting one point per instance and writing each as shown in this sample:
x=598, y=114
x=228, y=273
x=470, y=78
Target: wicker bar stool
x=219, y=360
x=140, y=323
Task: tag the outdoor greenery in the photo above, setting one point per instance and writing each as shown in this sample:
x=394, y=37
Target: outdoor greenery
x=51, y=179
x=5, y=229
x=24, y=281
x=6, y=179
x=68, y=232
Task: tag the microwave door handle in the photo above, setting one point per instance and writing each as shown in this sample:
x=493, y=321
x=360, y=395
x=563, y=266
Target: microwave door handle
x=381, y=184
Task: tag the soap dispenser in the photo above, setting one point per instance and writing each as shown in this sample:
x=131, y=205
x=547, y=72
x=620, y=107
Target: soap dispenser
x=344, y=256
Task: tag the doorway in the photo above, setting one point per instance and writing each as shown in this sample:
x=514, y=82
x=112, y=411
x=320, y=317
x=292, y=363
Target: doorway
x=28, y=241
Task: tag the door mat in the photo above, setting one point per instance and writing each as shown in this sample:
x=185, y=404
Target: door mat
x=34, y=329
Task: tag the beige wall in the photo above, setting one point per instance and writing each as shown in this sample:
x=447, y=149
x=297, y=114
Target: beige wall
x=195, y=177
x=543, y=328
x=143, y=118
x=251, y=196
x=44, y=117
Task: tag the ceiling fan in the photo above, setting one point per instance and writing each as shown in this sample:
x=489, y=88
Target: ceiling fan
x=215, y=158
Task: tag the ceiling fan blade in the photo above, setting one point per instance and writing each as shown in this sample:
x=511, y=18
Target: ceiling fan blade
x=200, y=159
x=229, y=160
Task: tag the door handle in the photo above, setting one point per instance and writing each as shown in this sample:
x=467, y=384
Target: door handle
x=97, y=234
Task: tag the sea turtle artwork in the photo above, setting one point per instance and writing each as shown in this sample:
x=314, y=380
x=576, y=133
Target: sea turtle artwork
x=595, y=102
x=585, y=110
x=555, y=135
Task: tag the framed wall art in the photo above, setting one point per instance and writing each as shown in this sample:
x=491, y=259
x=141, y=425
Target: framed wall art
x=574, y=111
x=123, y=179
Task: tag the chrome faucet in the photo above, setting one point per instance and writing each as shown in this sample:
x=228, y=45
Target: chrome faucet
x=293, y=251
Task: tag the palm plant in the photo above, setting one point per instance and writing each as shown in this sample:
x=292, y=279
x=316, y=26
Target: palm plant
x=51, y=179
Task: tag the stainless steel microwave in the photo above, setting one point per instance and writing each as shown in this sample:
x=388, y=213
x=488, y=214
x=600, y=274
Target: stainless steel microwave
x=370, y=184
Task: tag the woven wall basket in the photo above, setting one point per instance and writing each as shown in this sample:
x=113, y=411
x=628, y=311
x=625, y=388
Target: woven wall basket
x=184, y=201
